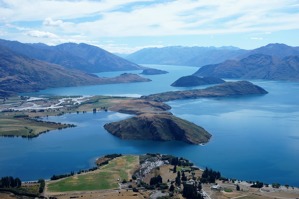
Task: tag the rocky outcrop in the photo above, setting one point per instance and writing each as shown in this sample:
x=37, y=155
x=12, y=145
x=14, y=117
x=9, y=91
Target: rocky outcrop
x=160, y=127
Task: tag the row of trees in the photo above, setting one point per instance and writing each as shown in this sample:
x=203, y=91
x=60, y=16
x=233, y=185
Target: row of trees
x=192, y=191
x=210, y=176
x=10, y=182
x=180, y=162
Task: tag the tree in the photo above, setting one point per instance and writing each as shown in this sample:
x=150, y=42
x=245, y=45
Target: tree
x=276, y=185
x=156, y=180
x=178, y=179
x=257, y=184
x=175, y=161
x=190, y=192
x=171, y=188
x=41, y=185
x=210, y=176
x=199, y=186
x=10, y=182
x=184, y=178
x=17, y=182
x=174, y=169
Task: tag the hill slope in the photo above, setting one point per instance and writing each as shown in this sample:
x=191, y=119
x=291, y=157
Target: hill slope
x=21, y=74
x=256, y=66
x=83, y=57
x=275, y=50
x=163, y=127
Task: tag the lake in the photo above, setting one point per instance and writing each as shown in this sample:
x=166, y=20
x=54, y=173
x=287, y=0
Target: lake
x=254, y=138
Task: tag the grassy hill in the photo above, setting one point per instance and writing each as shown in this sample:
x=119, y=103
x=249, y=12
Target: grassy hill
x=163, y=127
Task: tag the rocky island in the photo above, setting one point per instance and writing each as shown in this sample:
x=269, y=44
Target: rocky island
x=153, y=71
x=161, y=127
x=227, y=89
x=193, y=80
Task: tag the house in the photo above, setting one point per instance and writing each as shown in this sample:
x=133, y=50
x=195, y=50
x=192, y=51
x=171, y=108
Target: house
x=216, y=187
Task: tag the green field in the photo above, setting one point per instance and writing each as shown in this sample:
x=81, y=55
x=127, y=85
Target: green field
x=12, y=126
x=107, y=177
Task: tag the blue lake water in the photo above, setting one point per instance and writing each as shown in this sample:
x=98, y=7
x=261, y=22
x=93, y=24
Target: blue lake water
x=254, y=138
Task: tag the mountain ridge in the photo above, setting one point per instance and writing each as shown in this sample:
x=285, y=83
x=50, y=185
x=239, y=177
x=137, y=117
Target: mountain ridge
x=255, y=66
x=83, y=57
x=179, y=55
x=19, y=73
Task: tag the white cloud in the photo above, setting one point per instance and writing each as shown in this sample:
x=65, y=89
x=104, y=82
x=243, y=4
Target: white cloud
x=90, y=20
x=41, y=34
x=27, y=10
x=194, y=17
x=50, y=22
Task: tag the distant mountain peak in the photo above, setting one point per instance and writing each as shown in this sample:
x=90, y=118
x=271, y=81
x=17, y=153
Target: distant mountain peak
x=81, y=56
x=275, y=45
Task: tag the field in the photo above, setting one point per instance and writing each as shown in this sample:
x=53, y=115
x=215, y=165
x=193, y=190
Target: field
x=22, y=126
x=107, y=177
x=20, y=123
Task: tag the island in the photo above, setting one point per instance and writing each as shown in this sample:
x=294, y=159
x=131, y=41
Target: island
x=193, y=80
x=159, y=127
x=153, y=71
x=227, y=89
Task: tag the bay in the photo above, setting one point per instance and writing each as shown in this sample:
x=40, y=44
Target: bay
x=254, y=138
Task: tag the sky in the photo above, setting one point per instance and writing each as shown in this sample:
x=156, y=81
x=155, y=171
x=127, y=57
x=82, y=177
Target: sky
x=125, y=26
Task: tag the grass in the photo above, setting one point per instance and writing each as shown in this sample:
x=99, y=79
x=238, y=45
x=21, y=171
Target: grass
x=227, y=190
x=31, y=190
x=104, y=178
x=96, y=181
x=10, y=126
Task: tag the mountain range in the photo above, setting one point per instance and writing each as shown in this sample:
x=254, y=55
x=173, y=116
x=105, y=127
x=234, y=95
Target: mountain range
x=31, y=67
x=187, y=56
x=201, y=56
x=271, y=62
x=82, y=56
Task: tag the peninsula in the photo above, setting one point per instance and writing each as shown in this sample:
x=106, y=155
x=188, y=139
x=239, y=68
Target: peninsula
x=227, y=89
